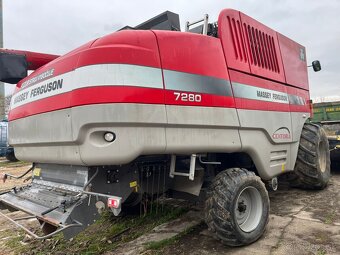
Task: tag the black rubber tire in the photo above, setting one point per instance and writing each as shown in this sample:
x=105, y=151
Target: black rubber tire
x=11, y=157
x=312, y=167
x=221, y=204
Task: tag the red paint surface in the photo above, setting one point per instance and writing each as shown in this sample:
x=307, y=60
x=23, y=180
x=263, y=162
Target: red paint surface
x=295, y=68
x=192, y=53
x=184, y=52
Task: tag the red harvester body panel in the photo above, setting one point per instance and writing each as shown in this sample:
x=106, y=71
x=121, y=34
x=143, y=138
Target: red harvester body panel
x=184, y=82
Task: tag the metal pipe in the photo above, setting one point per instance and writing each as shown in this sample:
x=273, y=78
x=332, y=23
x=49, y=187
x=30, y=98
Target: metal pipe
x=208, y=162
x=19, y=176
x=205, y=21
x=205, y=24
x=172, y=166
x=91, y=179
x=192, y=167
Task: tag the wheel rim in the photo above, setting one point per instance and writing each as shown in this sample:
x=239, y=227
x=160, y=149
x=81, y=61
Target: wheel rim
x=249, y=208
x=322, y=156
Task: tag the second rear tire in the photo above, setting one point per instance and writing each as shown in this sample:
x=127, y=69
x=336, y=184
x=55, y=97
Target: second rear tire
x=312, y=167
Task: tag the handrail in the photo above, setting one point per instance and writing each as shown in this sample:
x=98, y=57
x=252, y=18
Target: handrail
x=205, y=24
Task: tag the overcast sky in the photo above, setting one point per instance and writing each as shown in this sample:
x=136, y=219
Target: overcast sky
x=58, y=26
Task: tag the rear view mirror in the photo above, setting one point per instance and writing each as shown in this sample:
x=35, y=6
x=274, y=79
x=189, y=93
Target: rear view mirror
x=316, y=65
x=13, y=67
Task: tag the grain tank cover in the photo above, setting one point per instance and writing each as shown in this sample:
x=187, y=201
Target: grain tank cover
x=164, y=21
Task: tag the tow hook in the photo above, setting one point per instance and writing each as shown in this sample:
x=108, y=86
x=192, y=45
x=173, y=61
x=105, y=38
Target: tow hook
x=273, y=184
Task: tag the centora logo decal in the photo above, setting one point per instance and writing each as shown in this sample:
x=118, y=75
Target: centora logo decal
x=281, y=134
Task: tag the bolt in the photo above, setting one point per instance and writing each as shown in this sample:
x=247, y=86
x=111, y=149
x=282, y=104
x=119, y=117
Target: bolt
x=242, y=207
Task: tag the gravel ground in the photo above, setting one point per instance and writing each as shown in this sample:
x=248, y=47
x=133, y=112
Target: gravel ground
x=301, y=222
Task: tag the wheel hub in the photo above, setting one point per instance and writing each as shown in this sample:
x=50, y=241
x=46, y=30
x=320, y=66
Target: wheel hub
x=249, y=209
x=242, y=207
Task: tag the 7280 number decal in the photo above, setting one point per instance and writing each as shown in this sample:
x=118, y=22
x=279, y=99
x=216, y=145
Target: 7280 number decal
x=187, y=97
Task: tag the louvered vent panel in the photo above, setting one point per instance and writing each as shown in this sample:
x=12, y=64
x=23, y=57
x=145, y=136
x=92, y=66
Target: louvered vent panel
x=237, y=39
x=261, y=49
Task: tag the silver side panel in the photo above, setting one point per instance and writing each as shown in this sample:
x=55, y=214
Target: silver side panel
x=202, y=129
x=75, y=136
x=56, y=137
x=140, y=129
x=52, y=127
x=45, y=138
x=270, y=152
x=271, y=139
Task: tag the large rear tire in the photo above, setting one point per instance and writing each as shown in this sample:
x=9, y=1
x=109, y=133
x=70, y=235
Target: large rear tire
x=312, y=167
x=237, y=207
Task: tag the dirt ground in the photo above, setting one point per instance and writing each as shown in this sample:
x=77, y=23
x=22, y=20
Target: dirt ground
x=14, y=168
x=301, y=222
x=6, y=228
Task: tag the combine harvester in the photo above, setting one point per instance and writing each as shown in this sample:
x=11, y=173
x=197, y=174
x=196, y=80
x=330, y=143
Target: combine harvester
x=216, y=112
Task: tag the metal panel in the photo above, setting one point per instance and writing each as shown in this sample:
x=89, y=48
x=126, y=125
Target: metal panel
x=264, y=49
x=230, y=32
x=294, y=61
x=64, y=174
x=164, y=21
x=192, y=53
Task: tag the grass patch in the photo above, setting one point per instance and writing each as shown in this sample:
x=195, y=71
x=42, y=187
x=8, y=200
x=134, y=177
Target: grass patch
x=170, y=241
x=161, y=244
x=330, y=217
x=321, y=252
x=102, y=236
x=322, y=238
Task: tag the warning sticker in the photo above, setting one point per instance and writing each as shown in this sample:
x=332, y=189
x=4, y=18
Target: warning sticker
x=36, y=172
x=133, y=184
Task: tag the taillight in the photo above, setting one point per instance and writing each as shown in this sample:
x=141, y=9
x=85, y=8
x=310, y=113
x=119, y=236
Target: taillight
x=113, y=202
